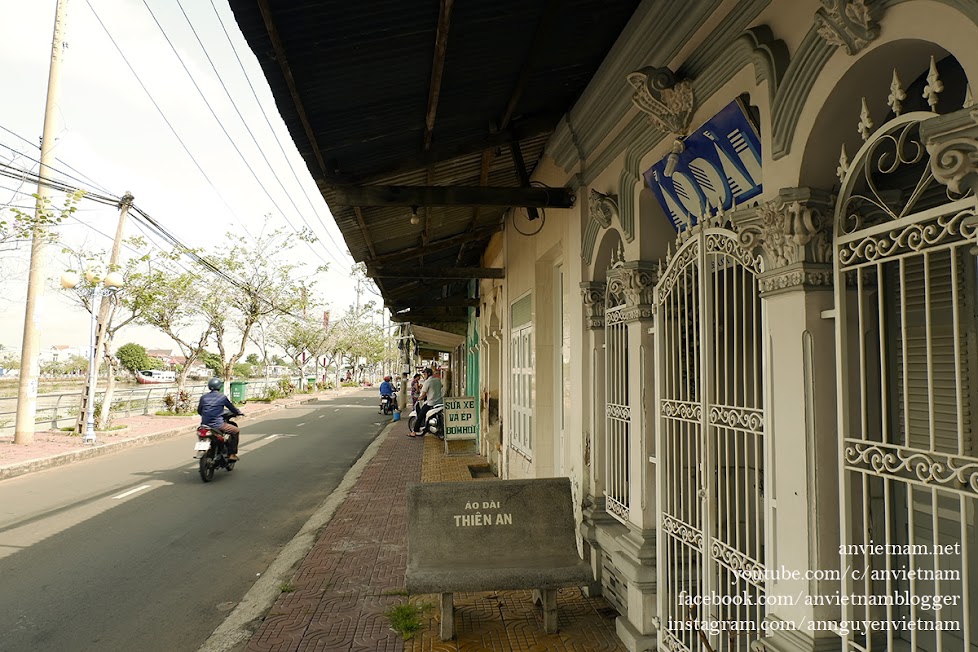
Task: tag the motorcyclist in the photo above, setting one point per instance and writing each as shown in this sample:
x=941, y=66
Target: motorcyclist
x=431, y=394
x=211, y=410
x=386, y=388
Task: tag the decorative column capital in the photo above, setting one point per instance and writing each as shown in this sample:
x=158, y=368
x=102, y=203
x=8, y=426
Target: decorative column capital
x=794, y=235
x=849, y=24
x=952, y=142
x=634, y=282
x=593, y=293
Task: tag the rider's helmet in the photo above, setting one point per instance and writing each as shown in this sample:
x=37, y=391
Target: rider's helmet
x=387, y=378
x=214, y=384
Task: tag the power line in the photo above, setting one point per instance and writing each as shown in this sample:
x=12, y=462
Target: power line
x=87, y=178
x=163, y=115
x=268, y=121
x=225, y=131
x=261, y=151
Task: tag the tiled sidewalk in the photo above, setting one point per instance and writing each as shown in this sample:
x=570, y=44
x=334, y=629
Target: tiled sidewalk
x=355, y=573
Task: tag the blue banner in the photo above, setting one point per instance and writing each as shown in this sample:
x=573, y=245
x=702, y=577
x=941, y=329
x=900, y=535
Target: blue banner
x=720, y=166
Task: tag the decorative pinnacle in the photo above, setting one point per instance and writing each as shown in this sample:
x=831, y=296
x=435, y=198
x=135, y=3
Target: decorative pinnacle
x=843, y=168
x=969, y=101
x=865, y=127
x=934, y=86
x=897, y=94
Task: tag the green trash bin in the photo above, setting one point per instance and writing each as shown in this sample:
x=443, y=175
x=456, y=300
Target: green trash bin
x=311, y=380
x=239, y=391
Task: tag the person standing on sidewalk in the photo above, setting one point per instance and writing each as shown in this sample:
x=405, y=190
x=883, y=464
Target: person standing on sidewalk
x=432, y=394
x=211, y=411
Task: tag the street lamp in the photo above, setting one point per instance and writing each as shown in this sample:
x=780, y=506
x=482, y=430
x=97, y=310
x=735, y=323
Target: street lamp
x=98, y=287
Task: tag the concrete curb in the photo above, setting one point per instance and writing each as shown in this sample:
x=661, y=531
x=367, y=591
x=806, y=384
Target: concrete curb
x=60, y=459
x=241, y=624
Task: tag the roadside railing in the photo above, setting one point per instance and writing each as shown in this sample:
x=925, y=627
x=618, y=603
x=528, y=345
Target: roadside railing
x=60, y=410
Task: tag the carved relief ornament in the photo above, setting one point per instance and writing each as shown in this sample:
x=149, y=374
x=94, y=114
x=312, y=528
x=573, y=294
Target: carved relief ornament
x=850, y=24
x=667, y=102
x=952, y=143
x=602, y=208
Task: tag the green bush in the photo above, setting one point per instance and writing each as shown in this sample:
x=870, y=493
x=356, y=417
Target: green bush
x=323, y=385
x=349, y=383
x=286, y=387
x=179, y=403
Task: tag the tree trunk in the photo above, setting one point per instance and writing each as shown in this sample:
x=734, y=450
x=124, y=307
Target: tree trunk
x=105, y=410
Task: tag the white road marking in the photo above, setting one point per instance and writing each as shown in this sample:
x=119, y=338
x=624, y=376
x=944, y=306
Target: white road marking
x=336, y=410
x=271, y=436
x=299, y=425
x=320, y=416
x=130, y=492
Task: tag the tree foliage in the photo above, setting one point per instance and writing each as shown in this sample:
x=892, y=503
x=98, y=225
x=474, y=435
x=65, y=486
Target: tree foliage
x=132, y=357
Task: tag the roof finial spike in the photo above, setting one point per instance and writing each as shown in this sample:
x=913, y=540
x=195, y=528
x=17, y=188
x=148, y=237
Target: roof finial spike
x=843, y=168
x=897, y=94
x=969, y=101
x=865, y=127
x=934, y=86
x=668, y=252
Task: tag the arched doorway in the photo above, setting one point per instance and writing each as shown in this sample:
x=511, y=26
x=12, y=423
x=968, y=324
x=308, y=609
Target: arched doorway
x=710, y=441
x=907, y=331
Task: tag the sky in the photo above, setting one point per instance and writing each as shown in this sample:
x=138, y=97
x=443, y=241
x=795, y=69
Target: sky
x=111, y=132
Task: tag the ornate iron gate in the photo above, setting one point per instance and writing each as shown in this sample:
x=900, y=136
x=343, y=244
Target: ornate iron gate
x=618, y=422
x=905, y=279
x=710, y=448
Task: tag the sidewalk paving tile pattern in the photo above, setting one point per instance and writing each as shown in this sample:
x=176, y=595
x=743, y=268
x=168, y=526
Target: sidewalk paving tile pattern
x=355, y=573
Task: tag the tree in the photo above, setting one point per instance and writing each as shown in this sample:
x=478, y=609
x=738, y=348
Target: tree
x=265, y=290
x=125, y=307
x=19, y=224
x=132, y=357
x=303, y=337
x=173, y=305
x=212, y=361
x=252, y=359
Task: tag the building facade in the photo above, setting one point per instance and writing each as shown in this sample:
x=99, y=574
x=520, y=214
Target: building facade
x=752, y=343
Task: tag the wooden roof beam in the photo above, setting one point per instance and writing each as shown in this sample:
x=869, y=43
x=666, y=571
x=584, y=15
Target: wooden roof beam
x=435, y=246
x=437, y=69
x=437, y=272
x=439, y=153
x=364, y=231
x=452, y=196
x=283, y=62
x=423, y=302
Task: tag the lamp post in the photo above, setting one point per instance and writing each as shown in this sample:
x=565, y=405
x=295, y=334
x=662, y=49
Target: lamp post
x=97, y=288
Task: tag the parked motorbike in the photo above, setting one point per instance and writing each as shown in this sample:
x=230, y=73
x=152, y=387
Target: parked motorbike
x=387, y=404
x=212, y=449
x=435, y=420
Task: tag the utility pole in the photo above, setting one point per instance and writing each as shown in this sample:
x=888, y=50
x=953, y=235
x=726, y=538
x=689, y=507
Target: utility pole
x=103, y=310
x=29, y=363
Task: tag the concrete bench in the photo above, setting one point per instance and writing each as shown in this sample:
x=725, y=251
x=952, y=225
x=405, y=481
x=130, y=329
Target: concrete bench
x=496, y=535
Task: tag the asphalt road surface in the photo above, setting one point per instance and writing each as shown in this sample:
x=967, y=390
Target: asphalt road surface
x=132, y=551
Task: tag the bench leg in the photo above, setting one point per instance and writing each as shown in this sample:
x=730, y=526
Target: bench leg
x=548, y=600
x=447, y=617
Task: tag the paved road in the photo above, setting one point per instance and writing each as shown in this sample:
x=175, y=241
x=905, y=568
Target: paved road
x=131, y=551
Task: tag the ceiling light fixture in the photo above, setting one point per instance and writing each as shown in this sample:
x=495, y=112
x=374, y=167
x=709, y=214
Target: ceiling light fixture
x=414, y=215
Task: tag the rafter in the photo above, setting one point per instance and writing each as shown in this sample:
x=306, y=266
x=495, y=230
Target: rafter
x=437, y=69
x=437, y=272
x=283, y=62
x=456, y=302
x=411, y=253
x=451, y=196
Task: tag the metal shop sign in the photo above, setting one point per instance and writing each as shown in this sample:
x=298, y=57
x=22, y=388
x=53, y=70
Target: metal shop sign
x=717, y=165
x=460, y=417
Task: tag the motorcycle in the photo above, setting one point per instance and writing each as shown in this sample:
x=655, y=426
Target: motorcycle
x=435, y=420
x=212, y=449
x=387, y=404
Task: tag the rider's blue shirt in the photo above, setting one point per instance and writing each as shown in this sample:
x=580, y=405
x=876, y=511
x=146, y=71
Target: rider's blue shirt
x=211, y=407
x=386, y=388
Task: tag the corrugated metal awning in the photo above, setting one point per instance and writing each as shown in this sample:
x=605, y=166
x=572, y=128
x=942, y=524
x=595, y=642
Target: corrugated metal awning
x=431, y=338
